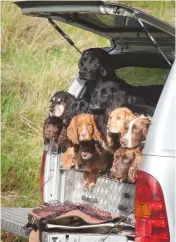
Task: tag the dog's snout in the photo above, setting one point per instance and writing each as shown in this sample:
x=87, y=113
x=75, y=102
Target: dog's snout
x=123, y=142
x=94, y=106
x=81, y=73
x=84, y=134
x=112, y=170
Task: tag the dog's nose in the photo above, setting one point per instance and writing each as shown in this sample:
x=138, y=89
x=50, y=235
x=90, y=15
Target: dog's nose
x=123, y=142
x=81, y=73
x=94, y=107
x=83, y=134
x=108, y=130
x=51, y=113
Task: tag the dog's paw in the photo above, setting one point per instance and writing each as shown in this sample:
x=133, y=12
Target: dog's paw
x=76, y=167
x=91, y=186
x=121, y=180
x=131, y=179
x=86, y=184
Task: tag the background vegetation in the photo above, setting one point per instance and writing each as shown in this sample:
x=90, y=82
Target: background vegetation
x=37, y=61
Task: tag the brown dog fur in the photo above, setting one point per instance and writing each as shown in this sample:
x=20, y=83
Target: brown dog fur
x=126, y=164
x=117, y=122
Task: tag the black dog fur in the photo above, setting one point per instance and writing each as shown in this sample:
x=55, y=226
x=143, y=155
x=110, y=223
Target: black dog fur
x=77, y=107
x=54, y=125
x=96, y=66
x=108, y=97
x=60, y=98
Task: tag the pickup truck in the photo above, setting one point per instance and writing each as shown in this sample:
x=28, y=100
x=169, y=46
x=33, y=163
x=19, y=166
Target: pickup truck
x=137, y=40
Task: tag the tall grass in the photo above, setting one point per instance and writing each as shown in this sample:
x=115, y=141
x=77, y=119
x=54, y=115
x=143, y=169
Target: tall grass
x=36, y=62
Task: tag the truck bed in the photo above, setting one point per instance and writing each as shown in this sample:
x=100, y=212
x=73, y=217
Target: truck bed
x=108, y=195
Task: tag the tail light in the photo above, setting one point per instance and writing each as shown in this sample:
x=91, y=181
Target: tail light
x=42, y=170
x=150, y=211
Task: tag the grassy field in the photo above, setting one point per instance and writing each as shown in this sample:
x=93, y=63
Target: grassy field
x=36, y=62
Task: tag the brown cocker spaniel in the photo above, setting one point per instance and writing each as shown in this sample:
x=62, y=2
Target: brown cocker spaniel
x=83, y=128
x=126, y=164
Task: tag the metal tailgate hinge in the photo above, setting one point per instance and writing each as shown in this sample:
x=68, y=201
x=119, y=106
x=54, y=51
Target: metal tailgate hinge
x=61, y=32
x=151, y=38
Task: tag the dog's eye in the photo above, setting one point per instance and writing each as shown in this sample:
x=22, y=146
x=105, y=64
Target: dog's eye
x=135, y=129
x=74, y=106
x=118, y=118
x=78, y=125
x=89, y=125
x=104, y=93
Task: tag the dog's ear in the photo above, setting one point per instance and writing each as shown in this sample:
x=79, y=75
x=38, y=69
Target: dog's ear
x=128, y=117
x=146, y=125
x=97, y=136
x=72, y=131
x=80, y=60
x=80, y=63
x=103, y=72
x=134, y=167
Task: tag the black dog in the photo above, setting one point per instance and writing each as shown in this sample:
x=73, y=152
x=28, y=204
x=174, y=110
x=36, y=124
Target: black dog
x=104, y=99
x=77, y=107
x=141, y=109
x=54, y=124
x=96, y=66
x=59, y=104
x=108, y=97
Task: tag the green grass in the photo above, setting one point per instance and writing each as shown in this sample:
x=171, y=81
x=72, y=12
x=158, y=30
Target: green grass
x=37, y=61
x=143, y=76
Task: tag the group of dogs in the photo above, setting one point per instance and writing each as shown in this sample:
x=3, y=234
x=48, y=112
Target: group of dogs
x=105, y=130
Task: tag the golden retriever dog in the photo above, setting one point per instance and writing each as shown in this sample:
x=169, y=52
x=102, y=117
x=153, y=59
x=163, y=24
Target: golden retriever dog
x=116, y=125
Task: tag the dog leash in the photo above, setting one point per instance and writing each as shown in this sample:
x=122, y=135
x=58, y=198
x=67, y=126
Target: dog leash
x=61, y=32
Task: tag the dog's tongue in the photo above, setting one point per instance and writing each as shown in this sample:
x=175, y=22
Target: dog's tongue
x=84, y=154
